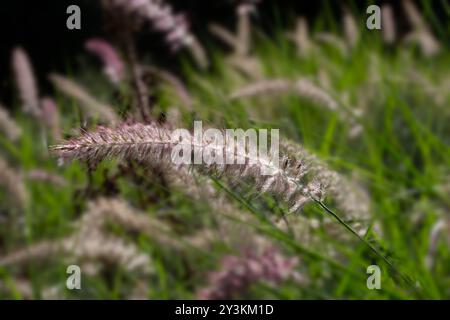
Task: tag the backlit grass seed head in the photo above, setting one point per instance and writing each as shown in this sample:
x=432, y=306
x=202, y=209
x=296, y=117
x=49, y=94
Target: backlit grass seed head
x=160, y=15
x=97, y=247
x=301, y=37
x=238, y=273
x=224, y=35
x=240, y=59
x=109, y=210
x=102, y=212
x=350, y=198
x=241, y=40
x=269, y=87
x=426, y=42
x=421, y=33
x=250, y=67
x=302, y=87
x=26, y=82
x=351, y=29
x=153, y=143
x=90, y=105
x=413, y=15
x=93, y=248
x=113, y=66
x=244, y=28
x=309, y=90
x=35, y=253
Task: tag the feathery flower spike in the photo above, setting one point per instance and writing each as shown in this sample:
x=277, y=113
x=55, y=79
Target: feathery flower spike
x=153, y=143
x=113, y=65
x=26, y=82
x=90, y=105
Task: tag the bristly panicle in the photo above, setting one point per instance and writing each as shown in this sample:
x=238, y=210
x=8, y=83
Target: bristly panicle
x=103, y=210
x=90, y=244
x=113, y=66
x=421, y=33
x=351, y=30
x=153, y=143
x=265, y=87
x=302, y=87
x=95, y=247
x=351, y=198
x=26, y=82
x=87, y=249
x=91, y=106
x=160, y=15
x=238, y=273
x=301, y=37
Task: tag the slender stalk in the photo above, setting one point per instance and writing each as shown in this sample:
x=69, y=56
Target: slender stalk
x=368, y=244
x=141, y=89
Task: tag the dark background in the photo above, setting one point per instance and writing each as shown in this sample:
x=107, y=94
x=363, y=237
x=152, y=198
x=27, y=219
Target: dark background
x=40, y=27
